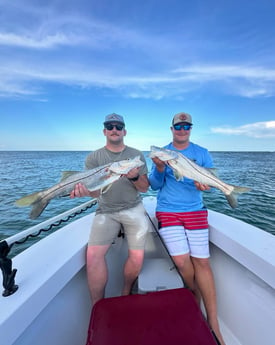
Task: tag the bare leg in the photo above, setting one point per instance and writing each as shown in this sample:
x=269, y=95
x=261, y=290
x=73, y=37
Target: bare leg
x=205, y=281
x=132, y=268
x=97, y=271
x=186, y=270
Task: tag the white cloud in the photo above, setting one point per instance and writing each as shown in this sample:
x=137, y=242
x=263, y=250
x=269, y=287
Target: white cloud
x=84, y=51
x=241, y=80
x=212, y=72
x=26, y=75
x=254, y=130
x=49, y=41
x=53, y=30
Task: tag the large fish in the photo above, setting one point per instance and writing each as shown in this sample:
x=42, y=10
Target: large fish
x=184, y=167
x=99, y=178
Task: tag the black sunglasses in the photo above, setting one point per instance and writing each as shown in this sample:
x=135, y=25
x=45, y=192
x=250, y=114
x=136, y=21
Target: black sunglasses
x=110, y=127
x=186, y=127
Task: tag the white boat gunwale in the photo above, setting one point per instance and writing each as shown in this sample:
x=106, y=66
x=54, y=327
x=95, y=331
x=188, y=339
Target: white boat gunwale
x=241, y=255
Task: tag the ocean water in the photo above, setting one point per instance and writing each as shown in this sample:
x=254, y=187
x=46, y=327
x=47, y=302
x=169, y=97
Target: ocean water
x=25, y=172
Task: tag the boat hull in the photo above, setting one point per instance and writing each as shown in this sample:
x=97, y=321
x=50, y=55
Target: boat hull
x=52, y=304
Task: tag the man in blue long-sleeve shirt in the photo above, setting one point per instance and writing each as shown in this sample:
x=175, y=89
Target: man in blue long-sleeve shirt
x=182, y=217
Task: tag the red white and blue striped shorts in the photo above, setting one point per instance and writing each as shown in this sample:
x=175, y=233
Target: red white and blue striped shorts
x=185, y=232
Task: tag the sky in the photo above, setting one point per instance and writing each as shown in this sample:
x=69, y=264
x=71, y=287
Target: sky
x=65, y=65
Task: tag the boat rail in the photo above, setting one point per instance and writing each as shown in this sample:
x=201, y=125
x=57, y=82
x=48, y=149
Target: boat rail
x=8, y=272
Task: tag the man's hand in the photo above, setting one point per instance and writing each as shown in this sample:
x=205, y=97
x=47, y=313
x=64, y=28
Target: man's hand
x=81, y=191
x=132, y=173
x=201, y=187
x=160, y=165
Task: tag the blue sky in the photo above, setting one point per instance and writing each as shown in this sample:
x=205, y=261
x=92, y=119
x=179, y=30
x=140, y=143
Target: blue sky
x=64, y=65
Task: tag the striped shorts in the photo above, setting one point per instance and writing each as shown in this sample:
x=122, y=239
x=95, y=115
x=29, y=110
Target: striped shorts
x=185, y=232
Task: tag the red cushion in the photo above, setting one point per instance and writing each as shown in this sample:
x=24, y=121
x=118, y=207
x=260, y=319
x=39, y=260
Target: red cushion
x=170, y=317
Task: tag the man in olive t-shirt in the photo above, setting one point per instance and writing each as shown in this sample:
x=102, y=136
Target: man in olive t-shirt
x=119, y=206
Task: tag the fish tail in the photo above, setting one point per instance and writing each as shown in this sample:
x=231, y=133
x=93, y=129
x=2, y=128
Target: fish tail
x=37, y=201
x=38, y=208
x=232, y=197
x=28, y=199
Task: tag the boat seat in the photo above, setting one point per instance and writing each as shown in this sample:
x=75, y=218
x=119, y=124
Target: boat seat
x=157, y=318
x=158, y=274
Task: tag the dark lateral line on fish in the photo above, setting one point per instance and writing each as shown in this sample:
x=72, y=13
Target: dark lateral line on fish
x=201, y=173
x=78, y=181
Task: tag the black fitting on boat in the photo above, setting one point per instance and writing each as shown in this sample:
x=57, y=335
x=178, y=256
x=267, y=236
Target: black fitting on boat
x=121, y=231
x=7, y=271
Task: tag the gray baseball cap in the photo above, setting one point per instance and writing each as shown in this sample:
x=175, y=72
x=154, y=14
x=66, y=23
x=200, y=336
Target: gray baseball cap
x=114, y=118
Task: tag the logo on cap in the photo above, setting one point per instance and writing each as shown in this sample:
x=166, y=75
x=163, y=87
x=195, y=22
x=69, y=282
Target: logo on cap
x=183, y=117
x=114, y=117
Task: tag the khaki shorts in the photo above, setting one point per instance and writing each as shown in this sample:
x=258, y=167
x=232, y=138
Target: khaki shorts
x=105, y=227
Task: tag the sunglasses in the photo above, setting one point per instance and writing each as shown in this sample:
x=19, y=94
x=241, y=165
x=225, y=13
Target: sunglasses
x=185, y=127
x=110, y=127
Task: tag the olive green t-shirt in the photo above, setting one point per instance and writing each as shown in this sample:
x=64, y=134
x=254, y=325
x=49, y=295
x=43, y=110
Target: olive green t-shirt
x=122, y=194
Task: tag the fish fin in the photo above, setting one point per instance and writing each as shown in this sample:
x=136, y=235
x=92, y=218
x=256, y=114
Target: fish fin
x=105, y=189
x=66, y=174
x=27, y=200
x=177, y=176
x=38, y=208
x=176, y=173
x=232, y=197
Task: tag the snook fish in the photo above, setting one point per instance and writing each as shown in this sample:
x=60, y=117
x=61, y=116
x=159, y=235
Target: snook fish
x=184, y=167
x=99, y=178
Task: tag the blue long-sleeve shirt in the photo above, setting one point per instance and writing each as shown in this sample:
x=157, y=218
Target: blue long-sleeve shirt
x=179, y=196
